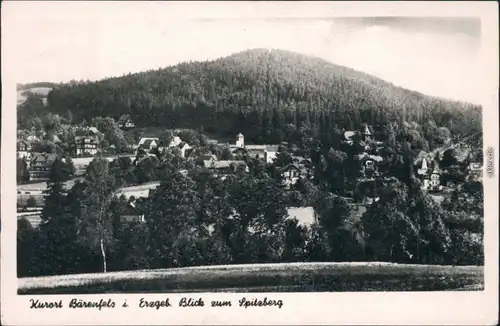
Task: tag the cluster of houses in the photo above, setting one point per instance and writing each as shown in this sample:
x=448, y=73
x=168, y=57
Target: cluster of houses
x=85, y=143
x=300, y=168
x=429, y=172
x=368, y=159
x=430, y=177
x=125, y=122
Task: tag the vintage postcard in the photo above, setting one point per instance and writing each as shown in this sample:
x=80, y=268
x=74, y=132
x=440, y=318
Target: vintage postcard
x=188, y=163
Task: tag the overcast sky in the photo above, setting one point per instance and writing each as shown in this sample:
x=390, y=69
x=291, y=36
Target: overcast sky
x=435, y=56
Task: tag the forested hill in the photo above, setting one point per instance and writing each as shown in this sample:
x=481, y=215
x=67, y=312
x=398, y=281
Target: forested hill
x=258, y=92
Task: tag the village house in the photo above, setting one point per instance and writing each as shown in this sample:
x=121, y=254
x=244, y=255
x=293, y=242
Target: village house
x=300, y=168
x=24, y=149
x=176, y=141
x=223, y=168
x=369, y=164
x=293, y=172
x=125, y=122
x=475, y=171
x=366, y=139
x=433, y=182
x=86, y=145
x=348, y=137
x=40, y=165
x=184, y=147
x=131, y=215
x=146, y=144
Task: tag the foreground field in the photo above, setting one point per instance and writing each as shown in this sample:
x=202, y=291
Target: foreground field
x=293, y=277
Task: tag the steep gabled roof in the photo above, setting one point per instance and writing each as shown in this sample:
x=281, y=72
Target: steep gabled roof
x=142, y=140
x=294, y=166
x=47, y=158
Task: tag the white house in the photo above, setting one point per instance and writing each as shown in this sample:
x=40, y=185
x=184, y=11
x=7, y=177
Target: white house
x=24, y=149
x=148, y=143
x=176, y=141
x=183, y=146
x=86, y=145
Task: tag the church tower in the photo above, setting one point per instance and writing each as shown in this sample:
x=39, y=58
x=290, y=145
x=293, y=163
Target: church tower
x=240, y=140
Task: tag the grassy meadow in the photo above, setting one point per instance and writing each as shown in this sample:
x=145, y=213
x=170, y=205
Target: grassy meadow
x=285, y=277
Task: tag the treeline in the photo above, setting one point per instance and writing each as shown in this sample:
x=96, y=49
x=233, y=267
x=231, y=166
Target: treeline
x=198, y=219
x=261, y=94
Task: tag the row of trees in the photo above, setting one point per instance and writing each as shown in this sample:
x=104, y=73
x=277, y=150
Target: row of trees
x=197, y=219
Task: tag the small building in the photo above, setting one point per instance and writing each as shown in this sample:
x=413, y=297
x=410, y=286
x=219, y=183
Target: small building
x=24, y=149
x=475, y=171
x=293, y=172
x=432, y=182
x=176, y=141
x=369, y=164
x=40, y=165
x=223, y=168
x=32, y=138
x=147, y=144
x=125, y=122
x=184, y=147
x=131, y=215
x=86, y=145
x=435, y=181
x=271, y=152
x=348, y=136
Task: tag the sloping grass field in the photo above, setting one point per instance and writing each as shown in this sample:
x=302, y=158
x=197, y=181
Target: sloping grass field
x=289, y=277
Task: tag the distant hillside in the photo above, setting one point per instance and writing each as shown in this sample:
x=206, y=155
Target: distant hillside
x=28, y=86
x=252, y=90
x=42, y=88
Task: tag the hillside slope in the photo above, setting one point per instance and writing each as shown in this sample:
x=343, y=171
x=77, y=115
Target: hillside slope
x=285, y=277
x=241, y=92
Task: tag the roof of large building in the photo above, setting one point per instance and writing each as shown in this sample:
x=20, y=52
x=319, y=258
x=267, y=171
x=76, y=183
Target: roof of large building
x=144, y=139
x=211, y=164
x=43, y=158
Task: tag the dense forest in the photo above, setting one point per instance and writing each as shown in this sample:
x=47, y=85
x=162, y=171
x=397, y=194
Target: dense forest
x=262, y=94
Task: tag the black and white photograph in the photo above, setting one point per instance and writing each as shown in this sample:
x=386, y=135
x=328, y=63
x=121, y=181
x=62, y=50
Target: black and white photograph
x=177, y=154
